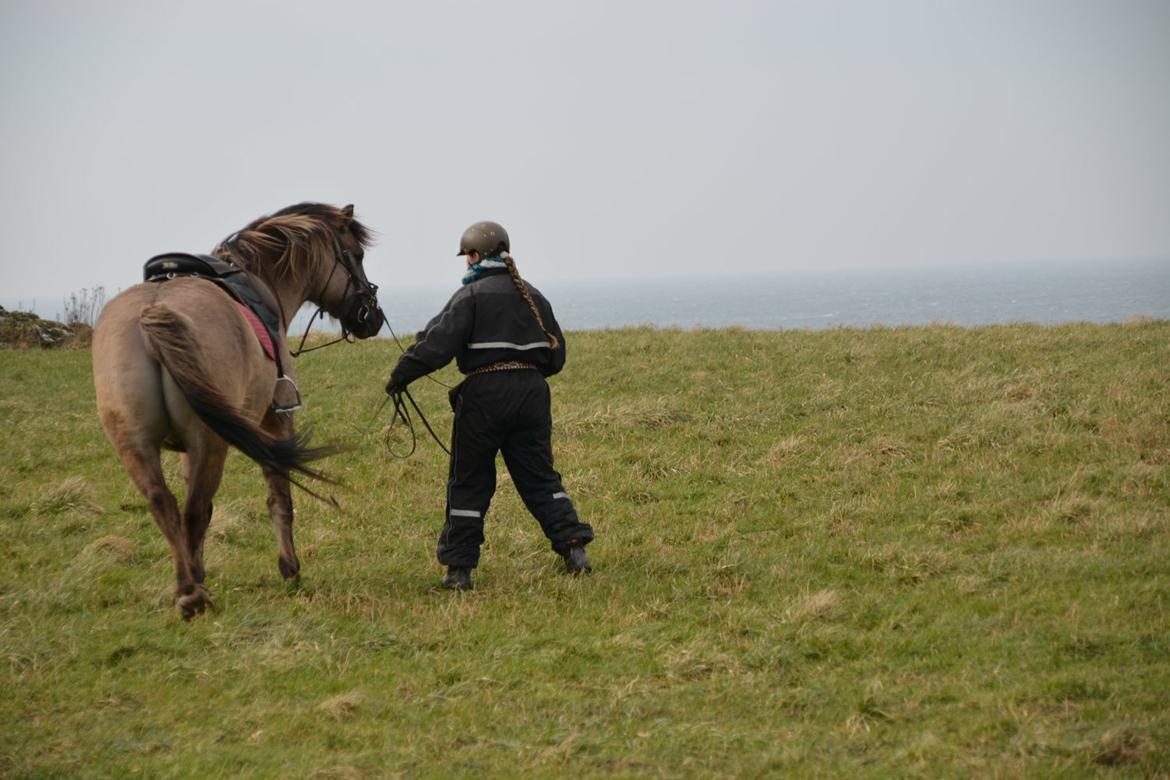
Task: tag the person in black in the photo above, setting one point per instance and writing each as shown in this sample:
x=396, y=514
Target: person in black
x=503, y=336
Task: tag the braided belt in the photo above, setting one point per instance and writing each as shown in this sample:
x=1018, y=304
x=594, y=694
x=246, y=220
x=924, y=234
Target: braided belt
x=503, y=365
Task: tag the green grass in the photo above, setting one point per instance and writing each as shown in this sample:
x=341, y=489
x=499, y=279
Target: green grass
x=889, y=552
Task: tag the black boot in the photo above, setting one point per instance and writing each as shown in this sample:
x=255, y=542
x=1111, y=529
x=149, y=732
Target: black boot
x=576, y=561
x=458, y=578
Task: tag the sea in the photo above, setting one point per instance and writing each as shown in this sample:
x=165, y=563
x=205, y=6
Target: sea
x=813, y=299
x=816, y=299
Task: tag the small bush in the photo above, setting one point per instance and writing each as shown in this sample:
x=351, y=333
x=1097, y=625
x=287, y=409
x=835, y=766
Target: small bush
x=84, y=307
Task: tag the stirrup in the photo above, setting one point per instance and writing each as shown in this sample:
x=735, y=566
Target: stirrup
x=286, y=408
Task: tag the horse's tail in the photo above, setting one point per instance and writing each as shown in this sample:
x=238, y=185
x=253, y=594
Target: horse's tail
x=169, y=335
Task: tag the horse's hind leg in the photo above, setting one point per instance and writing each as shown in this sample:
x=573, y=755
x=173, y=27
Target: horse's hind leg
x=280, y=508
x=146, y=471
x=203, y=471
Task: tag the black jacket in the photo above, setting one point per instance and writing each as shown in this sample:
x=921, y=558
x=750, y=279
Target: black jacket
x=485, y=322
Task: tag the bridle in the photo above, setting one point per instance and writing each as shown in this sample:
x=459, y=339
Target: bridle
x=364, y=303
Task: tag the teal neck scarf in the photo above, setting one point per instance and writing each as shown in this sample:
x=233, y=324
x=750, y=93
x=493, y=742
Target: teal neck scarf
x=478, y=269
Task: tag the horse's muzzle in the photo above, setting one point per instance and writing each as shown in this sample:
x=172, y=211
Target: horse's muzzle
x=365, y=318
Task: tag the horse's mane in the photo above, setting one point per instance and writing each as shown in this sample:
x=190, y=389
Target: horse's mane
x=291, y=241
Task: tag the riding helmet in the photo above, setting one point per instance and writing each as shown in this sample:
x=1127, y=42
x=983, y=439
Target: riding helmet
x=487, y=238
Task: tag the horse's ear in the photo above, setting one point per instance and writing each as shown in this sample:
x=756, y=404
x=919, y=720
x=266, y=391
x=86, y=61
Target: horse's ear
x=347, y=212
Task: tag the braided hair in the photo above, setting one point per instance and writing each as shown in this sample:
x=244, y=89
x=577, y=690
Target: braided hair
x=523, y=288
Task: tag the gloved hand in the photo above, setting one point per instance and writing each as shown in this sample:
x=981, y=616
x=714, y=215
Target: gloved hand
x=392, y=386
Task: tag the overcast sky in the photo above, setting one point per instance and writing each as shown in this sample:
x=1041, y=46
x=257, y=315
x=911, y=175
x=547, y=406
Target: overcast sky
x=612, y=139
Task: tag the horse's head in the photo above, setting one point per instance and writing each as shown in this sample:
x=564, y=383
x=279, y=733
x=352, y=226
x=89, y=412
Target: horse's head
x=347, y=294
x=313, y=252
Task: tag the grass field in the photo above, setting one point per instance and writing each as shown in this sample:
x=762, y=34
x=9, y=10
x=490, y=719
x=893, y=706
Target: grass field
x=856, y=553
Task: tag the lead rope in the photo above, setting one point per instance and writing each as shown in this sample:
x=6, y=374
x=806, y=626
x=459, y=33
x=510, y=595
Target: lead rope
x=401, y=412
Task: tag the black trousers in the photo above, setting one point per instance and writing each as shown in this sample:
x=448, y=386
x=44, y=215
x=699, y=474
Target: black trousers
x=508, y=412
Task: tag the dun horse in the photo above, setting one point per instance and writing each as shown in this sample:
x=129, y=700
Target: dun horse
x=177, y=365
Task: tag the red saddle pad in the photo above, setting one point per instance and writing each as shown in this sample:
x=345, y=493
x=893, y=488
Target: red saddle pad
x=260, y=331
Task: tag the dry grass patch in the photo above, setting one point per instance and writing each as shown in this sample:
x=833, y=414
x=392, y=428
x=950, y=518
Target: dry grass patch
x=970, y=584
x=117, y=548
x=343, y=772
x=227, y=521
x=1143, y=525
x=890, y=448
x=1120, y=746
x=906, y=566
x=700, y=661
x=869, y=712
x=74, y=495
x=783, y=450
x=343, y=706
x=1021, y=391
x=812, y=606
x=100, y=555
x=946, y=489
x=1146, y=480
x=1071, y=510
x=641, y=413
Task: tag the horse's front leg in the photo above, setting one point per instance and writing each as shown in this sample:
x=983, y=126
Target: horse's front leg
x=280, y=506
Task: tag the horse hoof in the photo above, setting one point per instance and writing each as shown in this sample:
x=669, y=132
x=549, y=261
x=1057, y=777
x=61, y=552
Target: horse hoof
x=288, y=570
x=191, y=604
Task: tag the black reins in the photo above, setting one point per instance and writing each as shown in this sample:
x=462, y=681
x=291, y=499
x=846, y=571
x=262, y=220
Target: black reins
x=401, y=412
